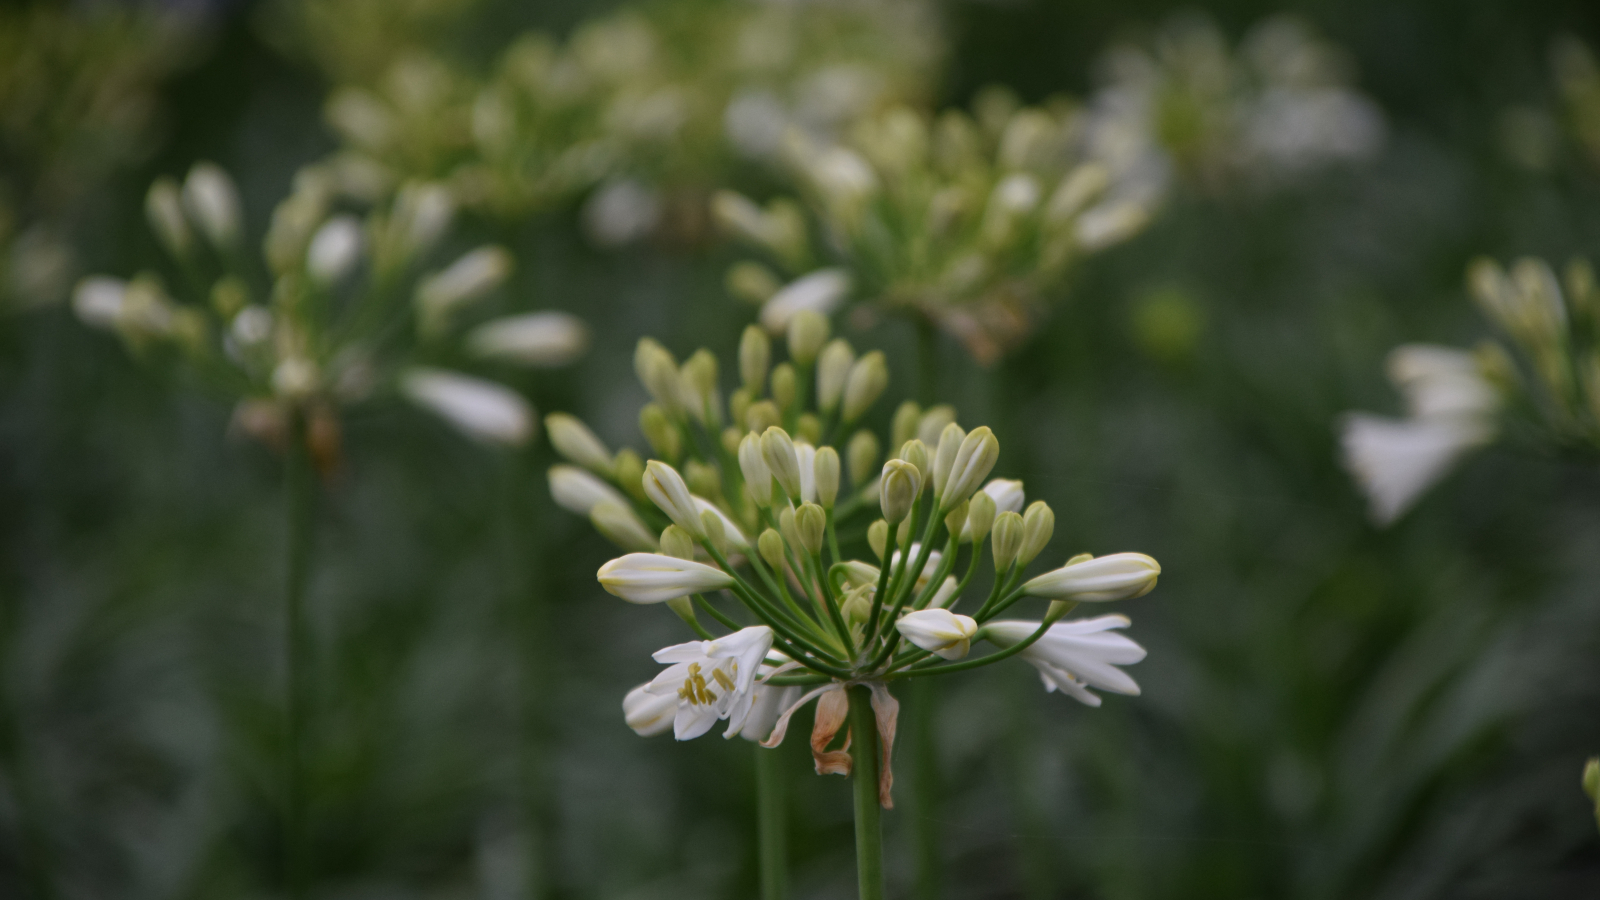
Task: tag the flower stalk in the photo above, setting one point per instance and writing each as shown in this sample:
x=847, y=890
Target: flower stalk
x=300, y=496
x=864, y=779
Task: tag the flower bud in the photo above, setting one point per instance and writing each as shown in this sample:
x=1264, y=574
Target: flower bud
x=543, y=339
x=658, y=372
x=859, y=574
x=164, y=210
x=739, y=407
x=698, y=380
x=807, y=332
x=660, y=431
x=573, y=440
x=731, y=436
x=666, y=489
x=811, y=525
x=578, y=491
x=868, y=377
x=770, y=546
x=755, y=356
x=751, y=282
x=916, y=453
x=704, y=480
x=716, y=530
x=683, y=607
x=784, y=388
x=980, y=517
x=1591, y=781
x=825, y=469
x=904, y=426
x=753, y=466
x=622, y=526
x=944, y=457
x=1007, y=540
x=932, y=423
x=808, y=428
x=833, y=370
x=777, y=450
x=482, y=410
x=898, y=489
x=334, y=251
x=862, y=454
x=878, y=538
x=467, y=279
x=213, y=203
x=1119, y=576
x=956, y=519
x=1059, y=609
x=677, y=543
x=940, y=631
x=857, y=607
x=1038, y=524
x=655, y=577
x=628, y=469
x=818, y=293
x=761, y=416
x=788, y=528
x=649, y=714
x=973, y=462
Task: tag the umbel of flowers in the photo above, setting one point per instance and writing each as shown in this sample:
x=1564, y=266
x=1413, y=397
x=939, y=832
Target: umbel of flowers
x=963, y=219
x=753, y=498
x=345, y=307
x=1539, y=376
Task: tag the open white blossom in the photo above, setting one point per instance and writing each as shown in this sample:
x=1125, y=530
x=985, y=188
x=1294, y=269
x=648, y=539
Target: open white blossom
x=1395, y=461
x=1075, y=656
x=712, y=680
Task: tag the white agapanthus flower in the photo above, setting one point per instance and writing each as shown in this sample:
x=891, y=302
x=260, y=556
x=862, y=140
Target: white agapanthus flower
x=531, y=339
x=1075, y=656
x=482, y=410
x=820, y=292
x=1119, y=576
x=579, y=491
x=711, y=681
x=656, y=578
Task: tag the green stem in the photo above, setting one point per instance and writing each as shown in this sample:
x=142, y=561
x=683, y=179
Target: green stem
x=864, y=780
x=772, y=833
x=300, y=489
x=924, y=790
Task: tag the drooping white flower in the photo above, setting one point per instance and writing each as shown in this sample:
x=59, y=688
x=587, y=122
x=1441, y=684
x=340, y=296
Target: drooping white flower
x=1119, y=576
x=1441, y=381
x=655, y=578
x=939, y=631
x=820, y=292
x=712, y=680
x=482, y=410
x=649, y=714
x=579, y=491
x=1396, y=460
x=1076, y=655
x=532, y=339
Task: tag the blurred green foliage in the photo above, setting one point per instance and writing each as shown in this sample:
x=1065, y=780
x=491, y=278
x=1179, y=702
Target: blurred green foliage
x=1329, y=710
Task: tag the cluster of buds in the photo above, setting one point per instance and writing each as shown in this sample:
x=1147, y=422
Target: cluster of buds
x=1542, y=372
x=962, y=219
x=1278, y=107
x=643, y=106
x=755, y=509
x=348, y=308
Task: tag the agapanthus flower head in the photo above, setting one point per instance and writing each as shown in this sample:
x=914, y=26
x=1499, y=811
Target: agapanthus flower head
x=771, y=537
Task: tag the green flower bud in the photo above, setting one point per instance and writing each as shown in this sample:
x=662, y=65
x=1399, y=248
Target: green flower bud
x=784, y=390
x=628, y=468
x=698, y=380
x=902, y=534
x=867, y=380
x=825, y=475
x=955, y=519
x=755, y=356
x=1038, y=524
x=863, y=456
x=677, y=543
x=974, y=460
x=789, y=529
x=932, y=423
x=856, y=608
x=1007, y=540
x=716, y=532
x=770, y=546
x=808, y=428
x=916, y=453
x=811, y=524
x=833, y=370
x=904, y=426
x=777, y=450
x=944, y=457
x=980, y=517
x=703, y=479
x=757, y=477
x=761, y=416
x=898, y=489
x=658, y=372
x=1591, y=780
x=1058, y=609
x=878, y=538
x=229, y=295
x=573, y=440
x=660, y=431
x=808, y=331
x=683, y=606
x=739, y=403
x=623, y=527
x=751, y=282
x=163, y=206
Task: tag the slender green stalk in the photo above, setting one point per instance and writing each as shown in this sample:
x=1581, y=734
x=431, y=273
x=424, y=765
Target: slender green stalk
x=300, y=495
x=864, y=781
x=771, y=827
x=924, y=790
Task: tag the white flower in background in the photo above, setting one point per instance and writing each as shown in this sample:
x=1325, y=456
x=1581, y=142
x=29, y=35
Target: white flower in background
x=534, y=339
x=573, y=440
x=656, y=578
x=712, y=680
x=213, y=202
x=1119, y=576
x=482, y=410
x=1440, y=382
x=820, y=292
x=623, y=527
x=939, y=631
x=335, y=250
x=1075, y=656
x=99, y=301
x=1395, y=461
x=578, y=491
x=621, y=212
x=467, y=279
